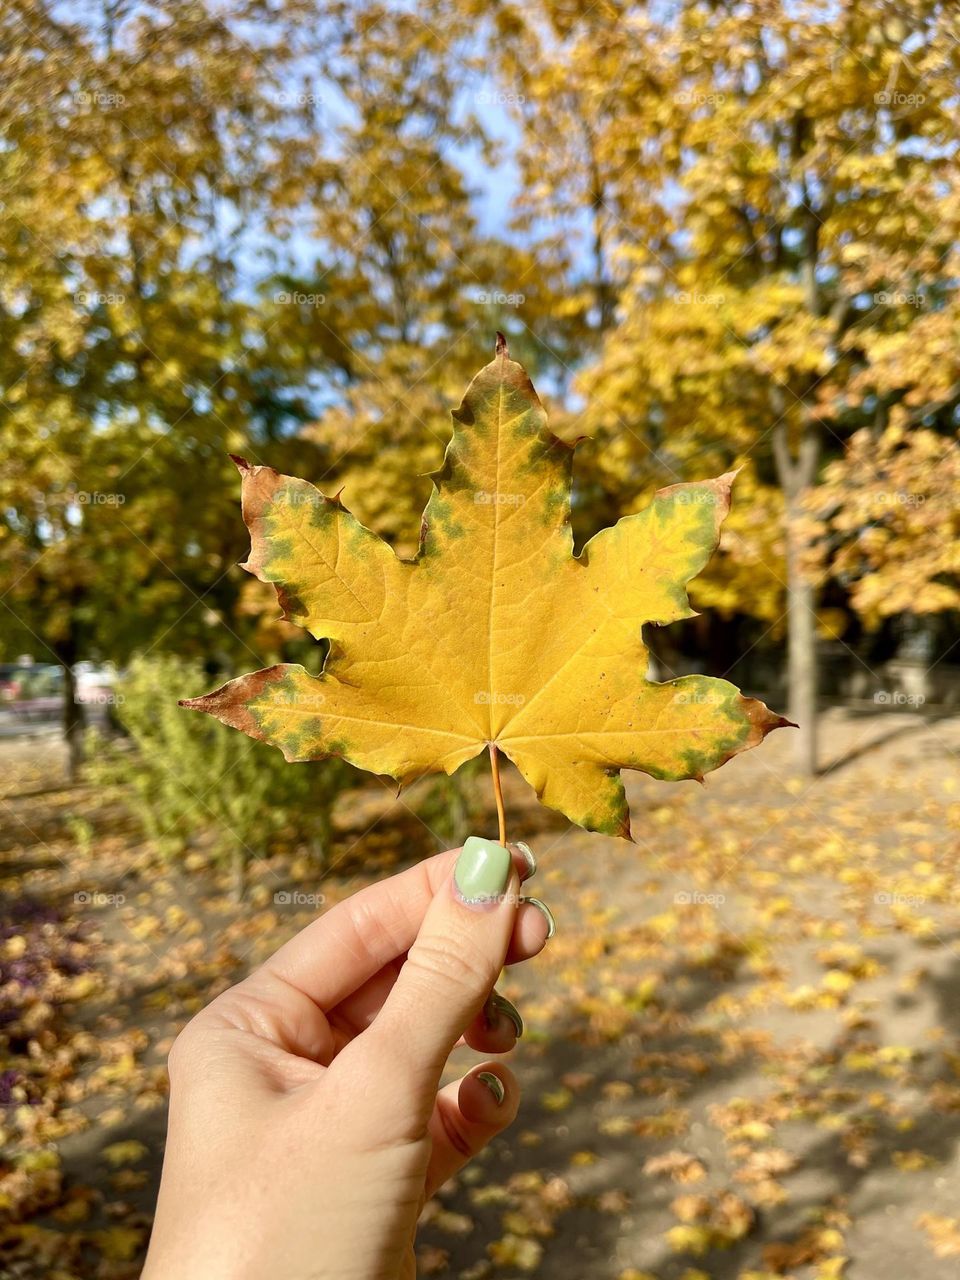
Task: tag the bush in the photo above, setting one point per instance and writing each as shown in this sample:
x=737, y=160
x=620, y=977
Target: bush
x=183, y=774
x=451, y=807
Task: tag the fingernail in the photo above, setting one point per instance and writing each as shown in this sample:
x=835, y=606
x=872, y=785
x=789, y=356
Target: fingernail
x=482, y=872
x=527, y=854
x=497, y=1004
x=494, y=1084
x=546, y=913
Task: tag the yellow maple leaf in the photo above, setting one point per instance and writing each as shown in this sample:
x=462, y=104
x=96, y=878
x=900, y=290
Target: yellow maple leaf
x=943, y=1233
x=690, y=1239
x=516, y=1251
x=831, y=1268
x=118, y=1243
x=495, y=636
x=128, y=1152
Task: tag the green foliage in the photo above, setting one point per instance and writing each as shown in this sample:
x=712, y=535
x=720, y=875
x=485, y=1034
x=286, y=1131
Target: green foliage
x=82, y=833
x=184, y=777
x=452, y=807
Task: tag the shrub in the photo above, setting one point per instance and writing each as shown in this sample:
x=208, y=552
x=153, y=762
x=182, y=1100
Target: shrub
x=451, y=807
x=183, y=775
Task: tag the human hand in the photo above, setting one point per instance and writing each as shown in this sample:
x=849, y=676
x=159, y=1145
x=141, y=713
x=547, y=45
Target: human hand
x=306, y=1129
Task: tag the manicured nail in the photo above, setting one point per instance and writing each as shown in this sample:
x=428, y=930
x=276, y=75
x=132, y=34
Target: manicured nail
x=497, y=1004
x=546, y=913
x=527, y=854
x=482, y=872
x=494, y=1084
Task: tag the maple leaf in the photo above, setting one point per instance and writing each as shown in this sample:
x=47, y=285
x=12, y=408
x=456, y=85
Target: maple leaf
x=495, y=636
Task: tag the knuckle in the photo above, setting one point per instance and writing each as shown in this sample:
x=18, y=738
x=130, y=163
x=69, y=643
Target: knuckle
x=193, y=1040
x=455, y=1136
x=456, y=962
x=373, y=929
x=182, y=1051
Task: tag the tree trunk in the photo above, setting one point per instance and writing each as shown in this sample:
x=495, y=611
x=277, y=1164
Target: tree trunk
x=801, y=653
x=238, y=871
x=458, y=810
x=323, y=836
x=796, y=475
x=74, y=723
x=797, y=472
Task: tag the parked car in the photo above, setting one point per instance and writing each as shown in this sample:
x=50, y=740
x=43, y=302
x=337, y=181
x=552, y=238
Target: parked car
x=32, y=691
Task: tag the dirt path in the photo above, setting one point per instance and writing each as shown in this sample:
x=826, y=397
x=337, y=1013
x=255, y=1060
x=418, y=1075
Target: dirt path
x=743, y=1046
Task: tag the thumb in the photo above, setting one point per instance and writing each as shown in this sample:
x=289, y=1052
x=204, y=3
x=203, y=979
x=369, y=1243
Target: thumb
x=450, y=969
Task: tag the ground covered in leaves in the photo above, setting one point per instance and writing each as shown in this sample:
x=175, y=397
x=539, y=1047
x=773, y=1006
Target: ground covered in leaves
x=742, y=1059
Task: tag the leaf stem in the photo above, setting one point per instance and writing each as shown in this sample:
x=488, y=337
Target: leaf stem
x=498, y=792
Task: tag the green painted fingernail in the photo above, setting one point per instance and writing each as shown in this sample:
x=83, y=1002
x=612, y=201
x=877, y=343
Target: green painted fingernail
x=494, y=1084
x=546, y=913
x=482, y=872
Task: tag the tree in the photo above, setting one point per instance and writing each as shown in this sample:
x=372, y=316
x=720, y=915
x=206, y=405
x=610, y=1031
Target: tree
x=888, y=520
x=779, y=183
x=141, y=147
x=407, y=304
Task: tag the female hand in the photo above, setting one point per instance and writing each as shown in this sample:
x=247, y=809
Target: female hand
x=306, y=1129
